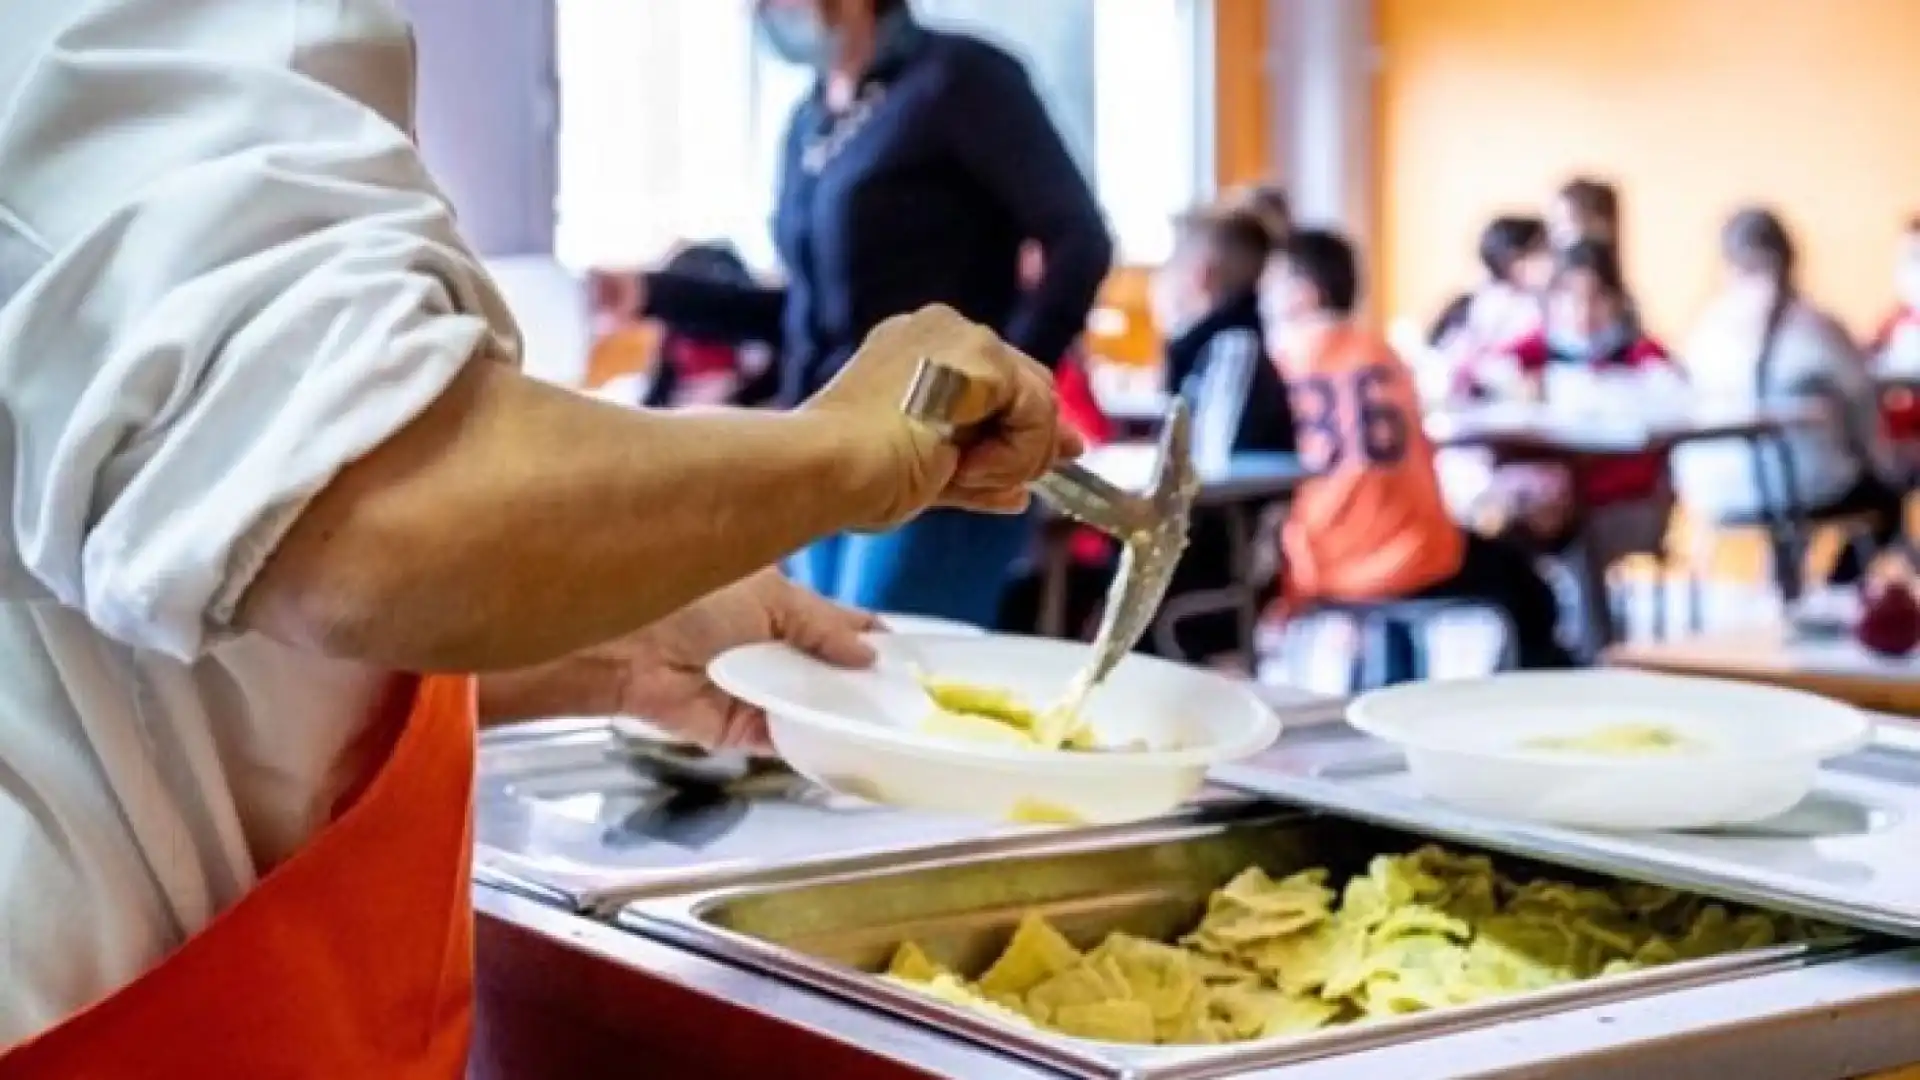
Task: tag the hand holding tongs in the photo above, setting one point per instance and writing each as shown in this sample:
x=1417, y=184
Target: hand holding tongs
x=1151, y=525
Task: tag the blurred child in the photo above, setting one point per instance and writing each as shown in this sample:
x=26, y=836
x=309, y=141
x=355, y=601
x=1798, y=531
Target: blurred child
x=1217, y=359
x=1507, y=306
x=1371, y=525
x=1605, y=507
x=1209, y=308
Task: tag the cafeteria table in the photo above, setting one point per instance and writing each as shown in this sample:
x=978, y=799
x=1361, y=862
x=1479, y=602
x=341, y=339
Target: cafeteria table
x=1836, y=667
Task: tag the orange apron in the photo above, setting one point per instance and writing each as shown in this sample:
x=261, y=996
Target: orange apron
x=352, y=959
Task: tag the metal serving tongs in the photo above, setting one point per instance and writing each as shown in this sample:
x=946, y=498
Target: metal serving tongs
x=1151, y=525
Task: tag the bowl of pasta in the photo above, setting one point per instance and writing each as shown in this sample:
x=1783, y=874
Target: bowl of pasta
x=975, y=725
x=644, y=731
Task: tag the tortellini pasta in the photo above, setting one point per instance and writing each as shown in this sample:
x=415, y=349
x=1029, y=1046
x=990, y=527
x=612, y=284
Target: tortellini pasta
x=1273, y=957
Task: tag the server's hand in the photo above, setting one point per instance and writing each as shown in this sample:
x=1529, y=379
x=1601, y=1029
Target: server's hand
x=659, y=673
x=664, y=677
x=1014, y=430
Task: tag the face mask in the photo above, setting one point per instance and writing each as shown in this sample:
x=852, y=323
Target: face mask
x=796, y=34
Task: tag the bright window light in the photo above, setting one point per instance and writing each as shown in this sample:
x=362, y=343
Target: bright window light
x=671, y=116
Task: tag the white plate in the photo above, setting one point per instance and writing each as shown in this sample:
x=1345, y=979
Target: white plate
x=859, y=731
x=1467, y=743
x=917, y=625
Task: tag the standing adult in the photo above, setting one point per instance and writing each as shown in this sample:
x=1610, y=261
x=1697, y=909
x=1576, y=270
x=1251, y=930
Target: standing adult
x=911, y=174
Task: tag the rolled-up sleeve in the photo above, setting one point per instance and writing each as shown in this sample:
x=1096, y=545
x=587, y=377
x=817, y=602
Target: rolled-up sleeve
x=243, y=280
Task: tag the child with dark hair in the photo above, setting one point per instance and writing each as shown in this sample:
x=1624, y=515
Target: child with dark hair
x=692, y=369
x=1601, y=509
x=1507, y=305
x=1371, y=525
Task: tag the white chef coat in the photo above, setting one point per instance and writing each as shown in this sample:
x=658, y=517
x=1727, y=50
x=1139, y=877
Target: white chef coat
x=223, y=276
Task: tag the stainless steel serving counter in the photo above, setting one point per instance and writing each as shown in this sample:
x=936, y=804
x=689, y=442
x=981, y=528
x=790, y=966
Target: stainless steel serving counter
x=563, y=996
x=565, y=992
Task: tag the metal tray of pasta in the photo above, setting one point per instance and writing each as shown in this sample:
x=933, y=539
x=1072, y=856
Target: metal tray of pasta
x=1208, y=950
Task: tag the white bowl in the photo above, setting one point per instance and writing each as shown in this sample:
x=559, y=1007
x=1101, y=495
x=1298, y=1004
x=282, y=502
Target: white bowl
x=858, y=731
x=1466, y=744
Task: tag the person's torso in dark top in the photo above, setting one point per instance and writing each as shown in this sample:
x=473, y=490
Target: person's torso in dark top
x=1221, y=363
x=874, y=217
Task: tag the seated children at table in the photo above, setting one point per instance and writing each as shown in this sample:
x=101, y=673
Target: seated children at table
x=1371, y=526
x=1600, y=509
x=1762, y=342
x=1208, y=293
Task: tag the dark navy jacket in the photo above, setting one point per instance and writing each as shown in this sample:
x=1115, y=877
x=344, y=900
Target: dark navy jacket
x=923, y=192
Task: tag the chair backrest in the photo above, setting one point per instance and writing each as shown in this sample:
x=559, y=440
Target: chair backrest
x=1217, y=392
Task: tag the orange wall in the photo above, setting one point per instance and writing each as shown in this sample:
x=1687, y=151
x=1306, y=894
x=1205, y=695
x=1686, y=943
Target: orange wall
x=1693, y=106
x=1240, y=91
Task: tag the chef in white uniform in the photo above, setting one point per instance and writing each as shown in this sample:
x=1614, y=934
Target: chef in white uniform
x=265, y=446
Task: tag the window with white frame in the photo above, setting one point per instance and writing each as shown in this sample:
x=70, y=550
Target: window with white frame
x=671, y=113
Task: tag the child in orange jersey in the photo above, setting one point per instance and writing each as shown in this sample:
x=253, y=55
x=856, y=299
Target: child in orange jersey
x=1371, y=525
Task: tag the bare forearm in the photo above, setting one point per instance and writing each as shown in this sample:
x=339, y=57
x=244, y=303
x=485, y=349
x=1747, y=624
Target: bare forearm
x=515, y=523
